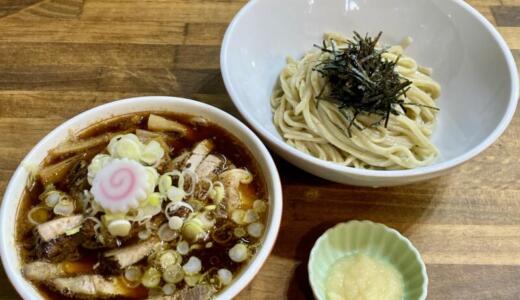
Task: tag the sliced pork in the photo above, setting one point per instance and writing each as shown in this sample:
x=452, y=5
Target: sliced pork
x=57, y=227
x=114, y=261
x=94, y=287
x=200, y=151
x=58, y=240
x=231, y=180
x=200, y=292
x=208, y=166
x=42, y=271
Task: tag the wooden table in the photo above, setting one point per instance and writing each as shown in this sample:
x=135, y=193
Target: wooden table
x=61, y=57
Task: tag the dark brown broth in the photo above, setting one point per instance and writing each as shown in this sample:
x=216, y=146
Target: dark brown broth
x=225, y=144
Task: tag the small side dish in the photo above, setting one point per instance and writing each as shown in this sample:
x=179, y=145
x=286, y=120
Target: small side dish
x=366, y=260
x=358, y=104
x=143, y=205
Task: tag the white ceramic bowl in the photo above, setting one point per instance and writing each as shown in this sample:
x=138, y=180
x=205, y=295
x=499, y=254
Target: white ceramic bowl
x=470, y=59
x=8, y=248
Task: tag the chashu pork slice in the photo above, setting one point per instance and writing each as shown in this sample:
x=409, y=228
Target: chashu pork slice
x=208, y=166
x=55, y=228
x=42, y=271
x=231, y=179
x=199, y=292
x=58, y=239
x=199, y=152
x=94, y=287
x=115, y=260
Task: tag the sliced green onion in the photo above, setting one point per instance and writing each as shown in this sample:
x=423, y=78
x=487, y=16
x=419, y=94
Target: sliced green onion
x=194, y=265
x=238, y=253
x=173, y=274
x=255, y=229
x=151, y=278
x=169, y=288
x=133, y=273
x=225, y=276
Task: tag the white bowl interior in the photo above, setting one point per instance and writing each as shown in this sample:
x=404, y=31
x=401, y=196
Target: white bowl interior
x=469, y=59
x=9, y=253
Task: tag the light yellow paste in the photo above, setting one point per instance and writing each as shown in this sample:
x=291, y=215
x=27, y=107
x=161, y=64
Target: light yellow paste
x=361, y=277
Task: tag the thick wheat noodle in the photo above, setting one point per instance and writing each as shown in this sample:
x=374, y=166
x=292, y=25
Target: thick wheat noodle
x=320, y=129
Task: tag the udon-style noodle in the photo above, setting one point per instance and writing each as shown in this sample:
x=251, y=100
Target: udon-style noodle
x=320, y=129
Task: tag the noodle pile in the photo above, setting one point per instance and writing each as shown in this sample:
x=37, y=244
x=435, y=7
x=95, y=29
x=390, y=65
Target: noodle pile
x=320, y=129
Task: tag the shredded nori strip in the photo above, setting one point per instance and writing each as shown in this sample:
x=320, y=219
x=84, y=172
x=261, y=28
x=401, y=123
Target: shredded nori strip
x=362, y=81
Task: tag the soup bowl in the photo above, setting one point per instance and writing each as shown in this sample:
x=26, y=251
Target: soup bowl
x=469, y=58
x=8, y=247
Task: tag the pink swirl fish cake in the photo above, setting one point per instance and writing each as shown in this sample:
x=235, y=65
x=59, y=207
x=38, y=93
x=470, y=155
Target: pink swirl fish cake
x=120, y=186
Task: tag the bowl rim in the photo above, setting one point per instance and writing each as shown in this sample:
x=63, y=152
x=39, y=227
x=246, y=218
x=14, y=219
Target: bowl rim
x=320, y=242
x=272, y=181
x=282, y=146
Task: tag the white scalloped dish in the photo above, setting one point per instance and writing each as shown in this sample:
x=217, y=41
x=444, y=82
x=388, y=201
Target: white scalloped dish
x=375, y=240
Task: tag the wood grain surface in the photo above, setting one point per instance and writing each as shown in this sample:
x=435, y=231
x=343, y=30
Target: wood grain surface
x=61, y=57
